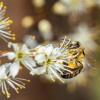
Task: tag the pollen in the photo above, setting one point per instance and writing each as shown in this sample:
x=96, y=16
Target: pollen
x=20, y=55
x=72, y=64
x=9, y=22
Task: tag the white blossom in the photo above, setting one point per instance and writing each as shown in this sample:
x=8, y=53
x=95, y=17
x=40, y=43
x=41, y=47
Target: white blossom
x=7, y=79
x=20, y=55
x=5, y=32
x=48, y=59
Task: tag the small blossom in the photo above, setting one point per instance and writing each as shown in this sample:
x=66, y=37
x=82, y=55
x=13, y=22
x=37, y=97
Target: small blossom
x=5, y=32
x=20, y=55
x=47, y=57
x=7, y=79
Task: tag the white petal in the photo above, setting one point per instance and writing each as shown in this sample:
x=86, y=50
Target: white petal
x=2, y=72
x=56, y=52
x=40, y=58
x=38, y=71
x=15, y=47
x=25, y=49
x=14, y=69
x=40, y=49
x=29, y=63
x=10, y=55
x=48, y=49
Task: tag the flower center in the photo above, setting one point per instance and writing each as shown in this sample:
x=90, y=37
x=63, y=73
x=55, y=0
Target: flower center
x=48, y=61
x=20, y=55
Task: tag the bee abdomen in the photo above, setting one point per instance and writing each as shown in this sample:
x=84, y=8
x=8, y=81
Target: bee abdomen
x=73, y=73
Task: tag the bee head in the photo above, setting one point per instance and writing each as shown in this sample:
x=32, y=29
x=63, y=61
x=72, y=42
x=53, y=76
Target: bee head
x=74, y=45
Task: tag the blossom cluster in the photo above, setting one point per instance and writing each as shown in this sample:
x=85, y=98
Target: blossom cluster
x=62, y=62
x=57, y=63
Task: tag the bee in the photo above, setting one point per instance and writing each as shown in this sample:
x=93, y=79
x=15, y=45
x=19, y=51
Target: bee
x=74, y=65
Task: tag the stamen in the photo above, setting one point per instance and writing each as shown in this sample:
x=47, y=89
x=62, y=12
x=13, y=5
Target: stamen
x=63, y=42
x=3, y=88
x=20, y=82
x=57, y=76
x=13, y=86
x=6, y=91
x=17, y=84
x=23, y=79
x=51, y=77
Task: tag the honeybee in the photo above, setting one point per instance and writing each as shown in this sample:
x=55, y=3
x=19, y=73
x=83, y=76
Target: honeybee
x=74, y=65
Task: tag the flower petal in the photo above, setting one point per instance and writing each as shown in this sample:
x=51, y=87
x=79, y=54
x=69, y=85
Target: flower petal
x=38, y=71
x=29, y=63
x=25, y=48
x=2, y=72
x=10, y=55
x=48, y=49
x=14, y=69
x=40, y=58
x=14, y=46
